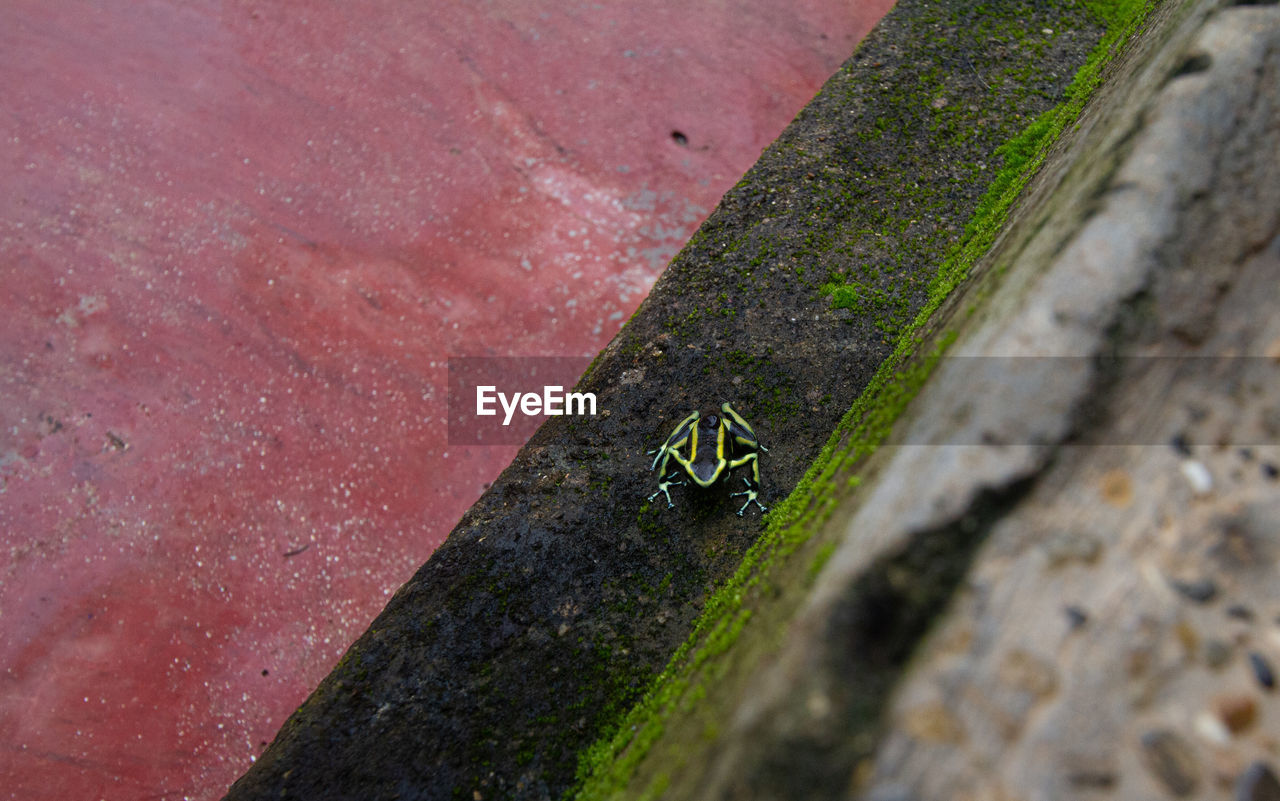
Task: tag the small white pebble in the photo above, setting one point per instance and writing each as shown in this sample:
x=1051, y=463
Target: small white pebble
x=1211, y=729
x=1198, y=476
x=818, y=705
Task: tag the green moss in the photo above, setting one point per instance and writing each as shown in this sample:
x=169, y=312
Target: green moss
x=609, y=765
x=911, y=220
x=649, y=519
x=682, y=326
x=631, y=348
x=601, y=485
x=820, y=560
x=774, y=394
x=889, y=311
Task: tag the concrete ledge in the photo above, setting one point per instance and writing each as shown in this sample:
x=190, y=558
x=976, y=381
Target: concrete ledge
x=1089, y=468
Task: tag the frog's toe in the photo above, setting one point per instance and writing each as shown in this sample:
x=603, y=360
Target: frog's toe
x=670, y=505
x=752, y=497
x=664, y=488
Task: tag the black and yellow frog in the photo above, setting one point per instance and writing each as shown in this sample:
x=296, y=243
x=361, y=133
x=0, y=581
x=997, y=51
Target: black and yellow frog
x=707, y=448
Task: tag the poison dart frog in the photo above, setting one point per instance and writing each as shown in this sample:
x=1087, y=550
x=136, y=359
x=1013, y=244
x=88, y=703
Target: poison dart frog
x=707, y=449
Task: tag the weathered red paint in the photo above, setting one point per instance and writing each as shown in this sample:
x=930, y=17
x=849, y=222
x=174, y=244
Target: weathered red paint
x=238, y=242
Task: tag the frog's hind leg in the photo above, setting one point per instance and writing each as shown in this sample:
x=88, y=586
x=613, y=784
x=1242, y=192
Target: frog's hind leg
x=740, y=430
x=679, y=436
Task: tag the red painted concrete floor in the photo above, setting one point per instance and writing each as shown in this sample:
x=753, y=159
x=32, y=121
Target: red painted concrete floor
x=238, y=242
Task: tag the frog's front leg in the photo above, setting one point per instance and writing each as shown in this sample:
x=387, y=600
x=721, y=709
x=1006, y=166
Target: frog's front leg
x=752, y=494
x=662, y=455
x=753, y=484
x=665, y=484
x=664, y=487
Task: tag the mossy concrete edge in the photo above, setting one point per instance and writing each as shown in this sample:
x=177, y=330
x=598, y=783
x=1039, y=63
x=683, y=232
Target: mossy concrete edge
x=614, y=768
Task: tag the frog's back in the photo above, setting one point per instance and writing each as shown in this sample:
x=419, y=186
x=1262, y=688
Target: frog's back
x=706, y=459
